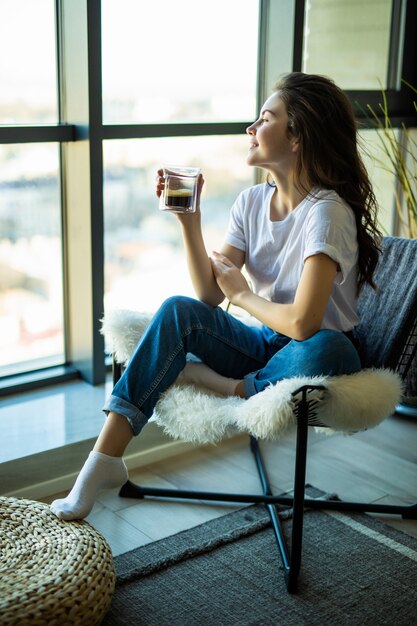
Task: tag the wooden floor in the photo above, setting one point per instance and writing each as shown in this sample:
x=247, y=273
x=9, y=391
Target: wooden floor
x=379, y=465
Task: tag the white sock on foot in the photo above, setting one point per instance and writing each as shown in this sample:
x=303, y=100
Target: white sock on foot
x=201, y=374
x=100, y=471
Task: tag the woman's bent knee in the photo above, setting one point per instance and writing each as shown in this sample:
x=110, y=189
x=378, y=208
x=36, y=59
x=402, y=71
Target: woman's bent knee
x=178, y=302
x=176, y=307
x=180, y=309
x=334, y=350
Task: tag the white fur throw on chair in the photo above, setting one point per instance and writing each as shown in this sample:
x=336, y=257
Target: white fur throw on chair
x=347, y=403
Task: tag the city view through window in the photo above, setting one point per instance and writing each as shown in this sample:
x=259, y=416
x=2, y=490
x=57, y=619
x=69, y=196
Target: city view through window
x=191, y=81
x=144, y=262
x=31, y=286
x=142, y=83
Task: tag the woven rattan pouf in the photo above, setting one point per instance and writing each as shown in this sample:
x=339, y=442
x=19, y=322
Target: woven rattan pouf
x=51, y=572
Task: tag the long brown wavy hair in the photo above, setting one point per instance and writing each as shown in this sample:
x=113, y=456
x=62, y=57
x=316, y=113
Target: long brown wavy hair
x=321, y=118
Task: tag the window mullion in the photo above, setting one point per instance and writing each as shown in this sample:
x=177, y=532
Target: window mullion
x=80, y=97
x=37, y=134
x=147, y=131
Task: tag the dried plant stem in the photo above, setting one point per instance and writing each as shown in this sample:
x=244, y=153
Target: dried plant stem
x=401, y=151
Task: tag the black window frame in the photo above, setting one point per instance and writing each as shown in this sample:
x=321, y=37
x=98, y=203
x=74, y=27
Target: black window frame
x=91, y=129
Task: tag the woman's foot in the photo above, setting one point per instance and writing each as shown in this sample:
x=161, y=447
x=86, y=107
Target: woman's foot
x=100, y=471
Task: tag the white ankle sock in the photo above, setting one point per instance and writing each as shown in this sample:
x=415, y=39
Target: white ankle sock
x=201, y=374
x=100, y=471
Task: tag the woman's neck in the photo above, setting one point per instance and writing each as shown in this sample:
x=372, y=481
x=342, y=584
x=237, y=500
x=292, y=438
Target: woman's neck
x=284, y=200
x=286, y=197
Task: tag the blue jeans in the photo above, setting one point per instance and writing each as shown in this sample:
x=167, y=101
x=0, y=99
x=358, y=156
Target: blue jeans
x=184, y=325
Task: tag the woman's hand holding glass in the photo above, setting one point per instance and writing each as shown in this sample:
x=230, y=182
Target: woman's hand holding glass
x=185, y=217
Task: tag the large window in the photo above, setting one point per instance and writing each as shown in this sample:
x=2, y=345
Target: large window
x=97, y=95
x=28, y=69
x=31, y=277
x=180, y=61
x=31, y=294
x=174, y=74
x=348, y=41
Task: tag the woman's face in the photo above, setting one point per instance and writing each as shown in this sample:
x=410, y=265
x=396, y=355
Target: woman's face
x=270, y=145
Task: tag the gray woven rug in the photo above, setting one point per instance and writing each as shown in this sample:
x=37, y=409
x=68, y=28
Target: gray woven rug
x=355, y=571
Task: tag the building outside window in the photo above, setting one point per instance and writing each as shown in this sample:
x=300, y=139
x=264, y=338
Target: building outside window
x=171, y=74
x=178, y=85
x=31, y=272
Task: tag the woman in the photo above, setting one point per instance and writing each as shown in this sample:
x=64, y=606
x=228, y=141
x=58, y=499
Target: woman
x=309, y=242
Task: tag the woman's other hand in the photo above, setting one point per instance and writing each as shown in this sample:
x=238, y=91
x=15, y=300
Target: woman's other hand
x=229, y=278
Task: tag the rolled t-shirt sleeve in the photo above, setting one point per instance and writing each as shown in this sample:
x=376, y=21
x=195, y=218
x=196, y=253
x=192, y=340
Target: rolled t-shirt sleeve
x=331, y=230
x=235, y=234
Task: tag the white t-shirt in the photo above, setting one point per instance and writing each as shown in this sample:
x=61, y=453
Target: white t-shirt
x=275, y=251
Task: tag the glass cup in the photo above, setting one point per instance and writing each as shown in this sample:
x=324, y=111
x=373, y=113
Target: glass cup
x=180, y=192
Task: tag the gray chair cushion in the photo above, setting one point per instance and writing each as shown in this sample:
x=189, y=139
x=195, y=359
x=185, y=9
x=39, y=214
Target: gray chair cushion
x=388, y=314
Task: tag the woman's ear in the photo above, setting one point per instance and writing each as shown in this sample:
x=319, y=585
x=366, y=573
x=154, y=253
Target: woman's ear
x=295, y=143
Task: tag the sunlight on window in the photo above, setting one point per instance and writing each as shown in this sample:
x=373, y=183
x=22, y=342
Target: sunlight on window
x=31, y=289
x=179, y=61
x=28, y=92
x=163, y=62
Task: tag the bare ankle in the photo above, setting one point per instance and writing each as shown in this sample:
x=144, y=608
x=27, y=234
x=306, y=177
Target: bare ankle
x=115, y=435
x=240, y=390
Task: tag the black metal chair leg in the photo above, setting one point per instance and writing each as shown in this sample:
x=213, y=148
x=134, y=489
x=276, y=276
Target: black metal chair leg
x=272, y=510
x=130, y=490
x=292, y=562
x=299, y=494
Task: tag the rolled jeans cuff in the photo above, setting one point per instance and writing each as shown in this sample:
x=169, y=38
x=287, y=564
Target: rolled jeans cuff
x=134, y=416
x=249, y=385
